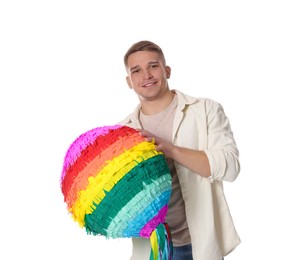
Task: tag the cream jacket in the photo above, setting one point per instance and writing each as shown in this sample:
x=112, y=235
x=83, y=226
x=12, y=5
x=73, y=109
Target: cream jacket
x=201, y=124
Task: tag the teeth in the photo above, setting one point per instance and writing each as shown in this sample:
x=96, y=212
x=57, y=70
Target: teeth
x=148, y=85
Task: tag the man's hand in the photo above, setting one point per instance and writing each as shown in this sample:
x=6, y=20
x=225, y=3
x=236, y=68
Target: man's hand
x=195, y=160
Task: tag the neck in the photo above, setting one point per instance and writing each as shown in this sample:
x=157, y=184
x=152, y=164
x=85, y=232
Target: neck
x=150, y=107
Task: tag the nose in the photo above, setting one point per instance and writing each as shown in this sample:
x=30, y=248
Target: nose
x=147, y=74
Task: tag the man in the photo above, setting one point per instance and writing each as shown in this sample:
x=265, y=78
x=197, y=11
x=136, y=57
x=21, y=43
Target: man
x=195, y=136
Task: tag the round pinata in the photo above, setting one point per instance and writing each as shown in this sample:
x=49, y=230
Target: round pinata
x=116, y=184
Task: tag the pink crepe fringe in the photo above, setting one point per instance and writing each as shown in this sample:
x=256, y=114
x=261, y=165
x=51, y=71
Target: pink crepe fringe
x=154, y=222
x=83, y=141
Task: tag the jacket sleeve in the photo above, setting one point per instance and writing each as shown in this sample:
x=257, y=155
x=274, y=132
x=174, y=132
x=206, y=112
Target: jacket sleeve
x=222, y=151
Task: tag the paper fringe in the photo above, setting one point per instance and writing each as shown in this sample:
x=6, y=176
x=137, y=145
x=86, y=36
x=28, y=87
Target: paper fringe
x=161, y=243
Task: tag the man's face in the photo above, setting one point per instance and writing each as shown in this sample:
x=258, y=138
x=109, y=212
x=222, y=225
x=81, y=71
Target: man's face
x=147, y=74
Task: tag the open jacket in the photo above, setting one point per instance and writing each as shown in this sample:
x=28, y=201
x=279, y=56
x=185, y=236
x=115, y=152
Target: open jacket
x=201, y=124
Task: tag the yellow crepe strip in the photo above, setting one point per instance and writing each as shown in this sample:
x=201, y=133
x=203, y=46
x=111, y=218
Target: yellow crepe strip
x=106, y=179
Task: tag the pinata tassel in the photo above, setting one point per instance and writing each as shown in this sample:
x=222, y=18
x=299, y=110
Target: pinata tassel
x=161, y=243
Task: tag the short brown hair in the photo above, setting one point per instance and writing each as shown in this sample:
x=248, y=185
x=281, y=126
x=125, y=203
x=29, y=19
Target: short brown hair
x=143, y=46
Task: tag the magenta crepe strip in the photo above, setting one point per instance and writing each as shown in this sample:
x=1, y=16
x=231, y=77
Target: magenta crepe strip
x=81, y=143
x=154, y=222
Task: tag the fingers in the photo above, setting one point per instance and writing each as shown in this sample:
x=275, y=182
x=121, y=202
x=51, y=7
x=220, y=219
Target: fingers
x=144, y=132
x=151, y=138
x=147, y=135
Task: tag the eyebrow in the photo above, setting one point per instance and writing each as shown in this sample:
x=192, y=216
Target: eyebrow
x=150, y=63
x=153, y=62
x=134, y=68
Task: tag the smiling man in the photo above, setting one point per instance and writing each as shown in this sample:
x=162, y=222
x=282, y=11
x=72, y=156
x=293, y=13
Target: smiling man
x=147, y=76
x=196, y=138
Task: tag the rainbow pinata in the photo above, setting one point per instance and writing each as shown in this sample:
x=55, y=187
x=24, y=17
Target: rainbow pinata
x=116, y=184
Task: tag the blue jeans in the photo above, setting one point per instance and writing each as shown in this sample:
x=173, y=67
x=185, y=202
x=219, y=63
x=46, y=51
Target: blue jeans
x=183, y=253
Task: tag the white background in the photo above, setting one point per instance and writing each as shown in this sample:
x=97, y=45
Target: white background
x=62, y=73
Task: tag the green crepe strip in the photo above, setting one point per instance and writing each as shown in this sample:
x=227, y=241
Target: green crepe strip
x=122, y=193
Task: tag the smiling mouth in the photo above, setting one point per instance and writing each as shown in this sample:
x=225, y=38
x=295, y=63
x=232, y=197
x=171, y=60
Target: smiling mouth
x=149, y=84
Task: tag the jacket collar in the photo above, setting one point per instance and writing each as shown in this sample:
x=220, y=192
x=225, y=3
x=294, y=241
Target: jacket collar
x=183, y=101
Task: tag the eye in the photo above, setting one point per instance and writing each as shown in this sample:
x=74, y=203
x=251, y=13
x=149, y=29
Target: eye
x=135, y=71
x=152, y=66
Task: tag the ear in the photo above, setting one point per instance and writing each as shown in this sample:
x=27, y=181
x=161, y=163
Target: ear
x=129, y=82
x=167, y=71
